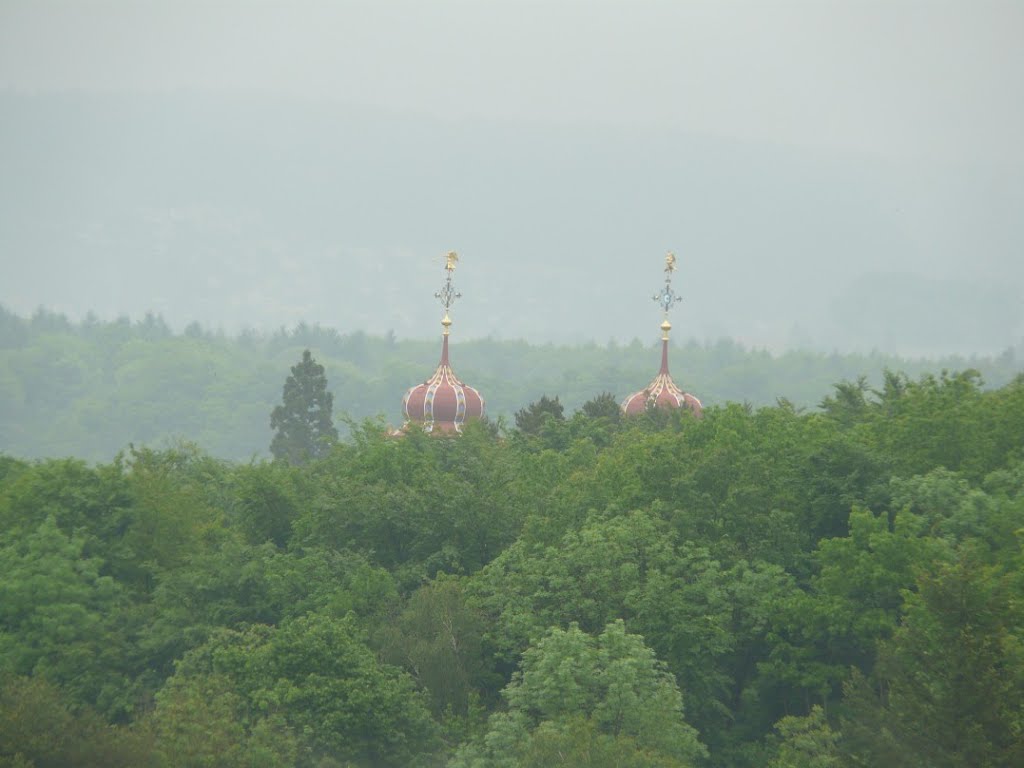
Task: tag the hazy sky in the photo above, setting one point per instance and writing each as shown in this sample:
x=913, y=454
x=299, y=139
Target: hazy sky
x=927, y=91
x=887, y=78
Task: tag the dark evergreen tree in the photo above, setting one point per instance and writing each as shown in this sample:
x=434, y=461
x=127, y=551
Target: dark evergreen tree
x=303, y=423
x=604, y=406
x=531, y=418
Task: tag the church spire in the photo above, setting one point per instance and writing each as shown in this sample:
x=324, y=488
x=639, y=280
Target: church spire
x=443, y=402
x=663, y=392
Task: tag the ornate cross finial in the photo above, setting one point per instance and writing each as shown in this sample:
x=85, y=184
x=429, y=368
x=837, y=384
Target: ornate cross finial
x=666, y=297
x=448, y=294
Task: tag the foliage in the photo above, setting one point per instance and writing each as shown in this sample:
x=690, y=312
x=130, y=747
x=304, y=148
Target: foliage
x=58, y=618
x=438, y=638
x=806, y=742
x=624, y=567
x=266, y=503
x=827, y=587
x=531, y=419
x=603, y=406
x=950, y=683
x=304, y=422
x=316, y=676
x=39, y=729
x=418, y=506
x=610, y=685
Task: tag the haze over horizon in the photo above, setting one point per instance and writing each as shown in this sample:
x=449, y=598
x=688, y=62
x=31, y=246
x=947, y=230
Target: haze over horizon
x=830, y=174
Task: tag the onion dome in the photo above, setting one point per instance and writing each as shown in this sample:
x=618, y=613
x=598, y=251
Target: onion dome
x=442, y=402
x=662, y=392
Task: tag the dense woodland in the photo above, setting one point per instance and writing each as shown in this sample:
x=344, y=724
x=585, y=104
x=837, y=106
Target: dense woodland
x=89, y=389
x=770, y=585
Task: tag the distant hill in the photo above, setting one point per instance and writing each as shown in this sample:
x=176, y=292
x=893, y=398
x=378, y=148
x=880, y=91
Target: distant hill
x=252, y=211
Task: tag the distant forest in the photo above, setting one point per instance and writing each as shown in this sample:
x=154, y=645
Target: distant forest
x=90, y=389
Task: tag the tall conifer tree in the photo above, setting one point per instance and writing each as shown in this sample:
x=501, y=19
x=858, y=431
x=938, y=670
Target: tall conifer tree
x=303, y=423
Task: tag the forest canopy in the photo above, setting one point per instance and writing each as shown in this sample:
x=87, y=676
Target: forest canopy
x=769, y=585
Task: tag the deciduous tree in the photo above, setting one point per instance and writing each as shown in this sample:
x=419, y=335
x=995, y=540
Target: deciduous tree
x=611, y=685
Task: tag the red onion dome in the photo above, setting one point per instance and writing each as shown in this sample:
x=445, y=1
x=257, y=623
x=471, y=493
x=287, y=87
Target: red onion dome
x=661, y=393
x=442, y=402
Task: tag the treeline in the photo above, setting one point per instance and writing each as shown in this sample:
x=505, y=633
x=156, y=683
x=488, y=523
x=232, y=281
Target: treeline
x=766, y=586
x=90, y=389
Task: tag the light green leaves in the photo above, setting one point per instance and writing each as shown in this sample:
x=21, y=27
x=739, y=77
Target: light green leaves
x=610, y=686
